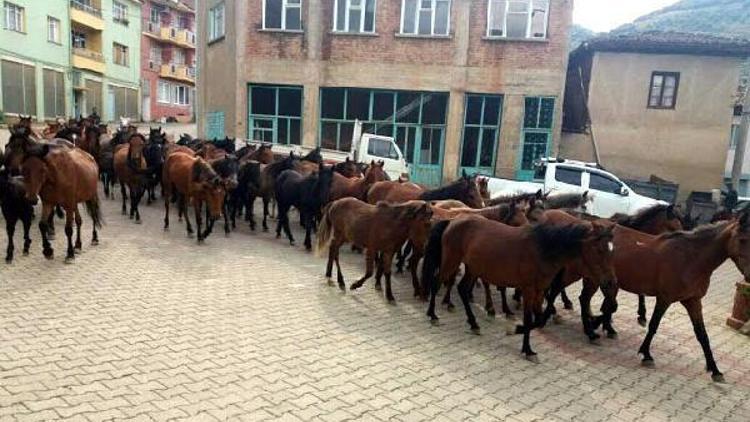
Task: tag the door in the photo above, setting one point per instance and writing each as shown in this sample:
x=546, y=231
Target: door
x=423, y=150
x=111, y=114
x=606, y=192
x=536, y=136
x=77, y=103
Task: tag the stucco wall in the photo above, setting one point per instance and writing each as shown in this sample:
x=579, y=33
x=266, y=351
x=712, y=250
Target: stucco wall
x=686, y=145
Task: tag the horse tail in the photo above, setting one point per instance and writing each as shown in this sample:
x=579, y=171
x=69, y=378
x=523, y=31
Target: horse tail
x=433, y=256
x=94, y=211
x=324, y=232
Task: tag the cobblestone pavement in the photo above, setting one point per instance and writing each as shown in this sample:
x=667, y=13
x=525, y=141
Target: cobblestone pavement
x=149, y=325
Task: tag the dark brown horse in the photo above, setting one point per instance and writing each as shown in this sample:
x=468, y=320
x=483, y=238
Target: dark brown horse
x=379, y=229
x=66, y=177
x=196, y=183
x=343, y=186
x=464, y=189
x=348, y=168
x=677, y=267
x=525, y=257
x=132, y=171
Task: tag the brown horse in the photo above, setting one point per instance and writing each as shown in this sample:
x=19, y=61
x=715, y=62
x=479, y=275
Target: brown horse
x=348, y=168
x=464, y=189
x=380, y=229
x=483, y=183
x=131, y=170
x=211, y=152
x=66, y=177
x=677, y=267
x=525, y=257
x=357, y=187
x=195, y=182
x=263, y=154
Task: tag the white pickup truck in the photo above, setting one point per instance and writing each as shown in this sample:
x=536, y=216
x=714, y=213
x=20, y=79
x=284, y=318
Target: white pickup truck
x=366, y=147
x=609, y=195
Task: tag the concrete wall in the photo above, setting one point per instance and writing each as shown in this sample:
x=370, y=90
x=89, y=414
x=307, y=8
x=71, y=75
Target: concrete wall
x=33, y=47
x=463, y=62
x=577, y=146
x=686, y=145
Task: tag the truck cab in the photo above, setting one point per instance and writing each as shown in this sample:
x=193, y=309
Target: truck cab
x=367, y=147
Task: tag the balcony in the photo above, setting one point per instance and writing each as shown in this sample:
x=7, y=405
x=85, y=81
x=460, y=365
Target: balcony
x=178, y=72
x=86, y=14
x=184, y=38
x=88, y=59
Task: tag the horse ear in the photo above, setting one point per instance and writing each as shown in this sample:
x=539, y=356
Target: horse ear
x=585, y=195
x=539, y=195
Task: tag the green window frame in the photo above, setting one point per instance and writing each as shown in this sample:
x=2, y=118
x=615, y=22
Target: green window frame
x=536, y=136
x=275, y=113
x=481, y=132
x=383, y=112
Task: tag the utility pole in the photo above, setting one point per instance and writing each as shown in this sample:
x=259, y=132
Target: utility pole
x=739, y=151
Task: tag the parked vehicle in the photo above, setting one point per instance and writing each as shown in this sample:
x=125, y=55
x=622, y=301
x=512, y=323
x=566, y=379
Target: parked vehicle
x=366, y=147
x=609, y=194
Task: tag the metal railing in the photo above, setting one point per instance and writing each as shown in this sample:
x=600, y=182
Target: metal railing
x=89, y=54
x=86, y=7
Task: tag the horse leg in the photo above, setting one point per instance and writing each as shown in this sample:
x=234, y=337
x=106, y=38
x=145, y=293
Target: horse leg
x=413, y=263
x=307, y=219
x=642, y=310
x=250, y=212
x=287, y=229
x=387, y=262
x=69, y=216
x=369, y=266
x=166, y=212
x=26, y=219
x=464, y=289
x=182, y=205
x=554, y=290
x=528, y=325
x=124, y=198
x=695, y=311
x=10, y=228
x=504, y=297
x=339, y=276
x=224, y=213
x=265, y=212
x=44, y=228
x=138, y=205
x=517, y=297
x=659, y=309
x=567, y=304
x=584, y=299
x=198, y=208
x=447, y=298
x=378, y=271
x=489, y=305
x=51, y=227
x=79, y=222
x=400, y=258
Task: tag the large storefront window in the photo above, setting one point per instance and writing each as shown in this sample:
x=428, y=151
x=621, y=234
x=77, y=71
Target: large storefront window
x=54, y=93
x=275, y=114
x=481, y=131
x=19, y=88
x=416, y=120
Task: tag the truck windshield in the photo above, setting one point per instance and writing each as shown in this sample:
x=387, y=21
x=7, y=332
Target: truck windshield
x=382, y=148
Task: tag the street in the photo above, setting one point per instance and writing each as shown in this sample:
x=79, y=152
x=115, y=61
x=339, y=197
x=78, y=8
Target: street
x=151, y=326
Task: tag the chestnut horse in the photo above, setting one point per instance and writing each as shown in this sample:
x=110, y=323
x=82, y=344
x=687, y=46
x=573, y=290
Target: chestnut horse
x=132, y=171
x=66, y=177
x=380, y=228
x=525, y=257
x=464, y=189
x=677, y=267
x=357, y=187
x=195, y=182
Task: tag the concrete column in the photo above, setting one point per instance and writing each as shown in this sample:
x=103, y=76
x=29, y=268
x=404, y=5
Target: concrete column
x=451, y=159
x=310, y=114
x=311, y=93
x=39, y=83
x=510, y=136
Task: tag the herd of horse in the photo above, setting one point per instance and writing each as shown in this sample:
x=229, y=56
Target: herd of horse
x=537, y=244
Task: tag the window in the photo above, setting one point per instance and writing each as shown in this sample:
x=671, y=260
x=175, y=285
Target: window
x=537, y=130
x=93, y=97
x=54, y=93
x=19, y=88
x=53, y=30
x=120, y=54
x=178, y=57
x=15, y=17
x=425, y=17
x=517, y=18
x=663, y=92
x=155, y=15
x=163, y=94
x=275, y=114
x=354, y=16
x=181, y=95
x=283, y=14
x=125, y=101
x=568, y=175
x=603, y=183
x=481, y=129
x=216, y=22
x=381, y=148
x=154, y=57
x=79, y=39
x=120, y=12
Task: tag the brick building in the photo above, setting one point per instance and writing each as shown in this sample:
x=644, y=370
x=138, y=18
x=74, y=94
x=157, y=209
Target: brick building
x=460, y=84
x=168, y=59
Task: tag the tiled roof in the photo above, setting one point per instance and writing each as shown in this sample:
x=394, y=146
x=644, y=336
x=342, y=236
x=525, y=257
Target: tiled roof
x=660, y=42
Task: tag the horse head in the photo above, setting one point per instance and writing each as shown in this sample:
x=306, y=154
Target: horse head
x=471, y=195
x=35, y=171
x=514, y=214
x=738, y=244
x=597, y=254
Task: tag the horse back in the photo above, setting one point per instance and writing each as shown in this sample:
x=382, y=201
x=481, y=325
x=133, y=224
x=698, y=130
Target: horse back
x=178, y=172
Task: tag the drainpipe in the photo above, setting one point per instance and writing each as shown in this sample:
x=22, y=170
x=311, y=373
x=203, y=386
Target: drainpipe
x=739, y=151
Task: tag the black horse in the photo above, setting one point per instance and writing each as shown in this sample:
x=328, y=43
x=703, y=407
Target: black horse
x=248, y=187
x=154, y=155
x=15, y=207
x=307, y=194
x=227, y=168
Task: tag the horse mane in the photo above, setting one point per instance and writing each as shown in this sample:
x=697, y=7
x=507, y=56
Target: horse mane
x=566, y=200
x=453, y=190
x=516, y=197
x=702, y=233
x=227, y=166
x=278, y=166
x=201, y=168
x=555, y=241
x=641, y=217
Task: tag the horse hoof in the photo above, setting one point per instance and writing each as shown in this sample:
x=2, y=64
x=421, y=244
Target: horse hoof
x=435, y=321
x=642, y=321
x=342, y=287
x=557, y=319
x=647, y=363
x=94, y=243
x=476, y=331
x=25, y=253
x=718, y=378
x=378, y=287
x=138, y=221
x=596, y=341
x=568, y=306
x=8, y=260
x=612, y=334
x=451, y=307
x=392, y=301
x=69, y=259
x=355, y=286
x=49, y=255
x=532, y=358
x=491, y=313
x=190, y=235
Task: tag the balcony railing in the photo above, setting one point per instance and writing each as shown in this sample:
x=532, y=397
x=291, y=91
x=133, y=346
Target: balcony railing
x=152, y=27
x=85, y=7
x=89, y=54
